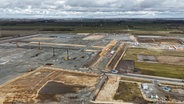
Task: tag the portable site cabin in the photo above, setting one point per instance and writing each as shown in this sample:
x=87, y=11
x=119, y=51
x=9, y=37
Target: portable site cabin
x=144, y=86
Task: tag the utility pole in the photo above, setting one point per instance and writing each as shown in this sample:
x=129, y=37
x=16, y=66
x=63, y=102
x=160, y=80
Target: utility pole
x=39, y=44
x=67, y=55
x=53, y=52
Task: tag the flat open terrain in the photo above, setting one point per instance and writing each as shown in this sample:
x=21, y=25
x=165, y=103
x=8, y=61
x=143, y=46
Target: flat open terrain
x=164, y=70
x=133, y=52
x=108, y=90
x=94, y=37
x=31, y=88
x=15, y=28
x=78, y=49
x=169, y=68
x=171, y=60
x=164, y=41
x=129, y=92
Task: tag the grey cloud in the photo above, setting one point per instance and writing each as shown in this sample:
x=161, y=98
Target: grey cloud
x=151, y=4
x=95, y=8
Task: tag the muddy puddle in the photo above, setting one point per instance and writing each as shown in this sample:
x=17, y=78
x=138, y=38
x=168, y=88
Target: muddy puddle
x=52, y=90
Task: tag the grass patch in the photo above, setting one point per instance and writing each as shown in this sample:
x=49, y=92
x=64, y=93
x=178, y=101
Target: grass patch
x=129, y=92
x=158, y=69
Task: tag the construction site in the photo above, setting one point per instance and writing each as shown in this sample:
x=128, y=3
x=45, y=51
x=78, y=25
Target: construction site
x=80, y=68
x=49, y=85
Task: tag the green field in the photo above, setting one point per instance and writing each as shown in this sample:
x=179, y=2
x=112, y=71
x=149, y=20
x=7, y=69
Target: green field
x=135, y=27
x=156, y=69
x=164, y=70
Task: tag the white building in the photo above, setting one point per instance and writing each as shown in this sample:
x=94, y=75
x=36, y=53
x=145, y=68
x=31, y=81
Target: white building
x=144, y=86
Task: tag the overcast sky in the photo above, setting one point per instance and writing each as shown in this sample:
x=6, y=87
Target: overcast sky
x=92, y=8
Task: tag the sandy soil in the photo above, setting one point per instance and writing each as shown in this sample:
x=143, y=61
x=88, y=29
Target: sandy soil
x=26, y=87
x=41, y=38
x=108, y=91
x=93, y=37
x=171, y=60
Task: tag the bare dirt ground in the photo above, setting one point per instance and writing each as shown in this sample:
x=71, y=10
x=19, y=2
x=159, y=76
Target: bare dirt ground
x=25, y=89
x=146, y=58
x=93, y=37
x=58, y=44
x=171, y=60
x=23, y=32
x=40, y=38
x=164, y=41
x=85, y=34
x=129, y=92
x=108, y=91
